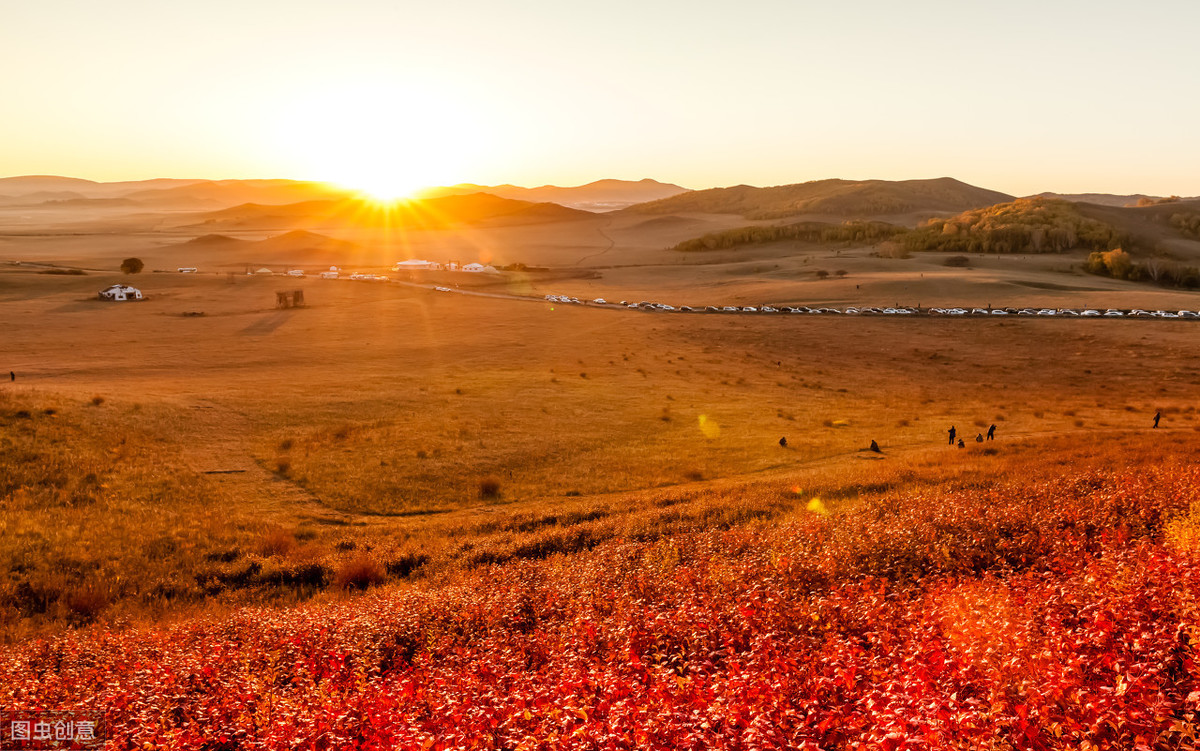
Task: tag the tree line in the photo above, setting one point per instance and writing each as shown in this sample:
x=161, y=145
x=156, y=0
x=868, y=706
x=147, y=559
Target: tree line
x=1118, y=264
x=811, y=232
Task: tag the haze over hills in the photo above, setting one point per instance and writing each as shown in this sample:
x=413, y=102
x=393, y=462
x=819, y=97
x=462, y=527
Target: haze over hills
x=601, y=195
x=830, y=197
x=24, y=185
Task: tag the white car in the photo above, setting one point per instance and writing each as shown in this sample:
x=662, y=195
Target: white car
x=1188, y=314
x=1047, y=312
x=999, y=312
x=295, y=272
x=730, y=309
x=1090, y=313
x=749, y=309
x=1112, y=313
x=442, y=289
x=600, y=301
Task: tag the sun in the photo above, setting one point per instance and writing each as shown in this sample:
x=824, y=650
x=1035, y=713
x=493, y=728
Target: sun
x=386, y=141
x=384, y=188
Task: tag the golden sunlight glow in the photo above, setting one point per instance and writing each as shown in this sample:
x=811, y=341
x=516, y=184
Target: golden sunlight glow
x=387, y=140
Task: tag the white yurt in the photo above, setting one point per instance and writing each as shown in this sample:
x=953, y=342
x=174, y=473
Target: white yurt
x=120, y=293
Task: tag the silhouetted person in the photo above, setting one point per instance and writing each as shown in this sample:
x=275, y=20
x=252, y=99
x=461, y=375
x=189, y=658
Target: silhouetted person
x=979, y=437
x=1157, y=416
x=875, y=447
x=783, y=441
x=961, y=445
x=953, y=433
x=992, y=433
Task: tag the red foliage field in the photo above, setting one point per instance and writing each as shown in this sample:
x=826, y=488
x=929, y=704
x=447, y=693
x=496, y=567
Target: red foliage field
x=1040, y=615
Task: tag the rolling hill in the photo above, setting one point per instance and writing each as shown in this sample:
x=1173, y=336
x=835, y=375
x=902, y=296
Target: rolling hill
x=431, y=213
x=842, y=198
x=297, y=246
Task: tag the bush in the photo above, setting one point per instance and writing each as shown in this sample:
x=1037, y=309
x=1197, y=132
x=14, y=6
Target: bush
x=359, y=573
x=132, y=266
x=489, y=488
x=86, y=603
x=957, y=262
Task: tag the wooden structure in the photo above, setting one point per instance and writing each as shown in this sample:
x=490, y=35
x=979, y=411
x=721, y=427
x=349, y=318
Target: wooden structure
x=289, y=298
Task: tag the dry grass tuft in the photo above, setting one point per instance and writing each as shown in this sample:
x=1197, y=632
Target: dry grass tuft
x=278, y=542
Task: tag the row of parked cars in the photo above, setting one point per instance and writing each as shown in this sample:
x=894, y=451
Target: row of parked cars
x=889, y=311
x=1064, y=312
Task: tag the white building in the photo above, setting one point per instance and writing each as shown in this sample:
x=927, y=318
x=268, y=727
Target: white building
x=479, y=268
x=416, y=264
x=121, y=293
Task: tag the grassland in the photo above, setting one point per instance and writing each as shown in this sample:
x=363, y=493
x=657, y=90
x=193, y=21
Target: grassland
x=158, y=464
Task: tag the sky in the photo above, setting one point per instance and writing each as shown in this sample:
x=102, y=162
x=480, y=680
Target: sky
x=1018, y=96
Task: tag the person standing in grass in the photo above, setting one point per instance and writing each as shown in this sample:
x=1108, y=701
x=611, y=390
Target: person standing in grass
x=1157, y=417
x=992, y=433
x=953, y=433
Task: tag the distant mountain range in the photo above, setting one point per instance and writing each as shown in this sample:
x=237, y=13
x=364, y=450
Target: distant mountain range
x=1108, y=199
x=294, y=204
x=601, y=195
x=39, y=190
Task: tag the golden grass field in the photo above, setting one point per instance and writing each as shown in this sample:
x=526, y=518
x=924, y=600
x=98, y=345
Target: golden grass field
x=202, y=449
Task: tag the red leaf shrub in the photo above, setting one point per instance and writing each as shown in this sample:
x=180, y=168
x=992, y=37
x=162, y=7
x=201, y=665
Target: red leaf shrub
x=1030, y=617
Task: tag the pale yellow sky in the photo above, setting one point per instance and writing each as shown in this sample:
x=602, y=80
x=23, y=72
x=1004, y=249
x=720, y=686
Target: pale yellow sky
x=1020, y=96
